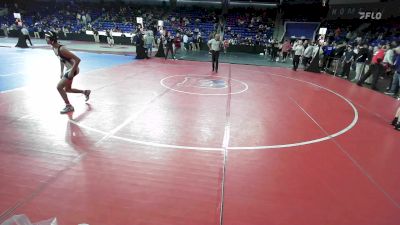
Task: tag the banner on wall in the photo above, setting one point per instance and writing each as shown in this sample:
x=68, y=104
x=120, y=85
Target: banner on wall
x=371, y=11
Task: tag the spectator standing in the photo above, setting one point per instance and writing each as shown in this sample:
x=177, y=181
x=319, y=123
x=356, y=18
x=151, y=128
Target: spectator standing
x=396, y=77
x=169, y=45
x=308, y=55
x=286, y=47
x=149, y=43
x=376, y=69
x=96, y=36
x=298, y=52
x=4, y=27
x=347, y=59
x=388, y=62
x=361, y=57
x=186, y=42
x=25, y=32
x=36, y=31
x=177, y=43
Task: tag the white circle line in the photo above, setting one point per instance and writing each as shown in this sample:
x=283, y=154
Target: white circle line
x=12, y=90
x=148, y=143
x=350, y=126
x=154, y=144
x=192, y=93
x=9, y=74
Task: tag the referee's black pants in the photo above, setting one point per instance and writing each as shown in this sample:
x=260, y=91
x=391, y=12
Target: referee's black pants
x=215, y=56
x=296, y=61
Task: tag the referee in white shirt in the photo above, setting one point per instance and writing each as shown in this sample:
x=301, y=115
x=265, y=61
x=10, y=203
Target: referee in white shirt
x=215, y=46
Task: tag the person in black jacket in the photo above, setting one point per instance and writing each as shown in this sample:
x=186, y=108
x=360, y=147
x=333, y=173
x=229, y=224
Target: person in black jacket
x=169, y=45
x=274, y=50
x=140, y=51
x=360, y=59
x=160, y=52
x=110, y=38
x=347, y=59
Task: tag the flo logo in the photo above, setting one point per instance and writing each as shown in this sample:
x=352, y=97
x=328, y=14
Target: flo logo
x=201, y=82
x=370, y=15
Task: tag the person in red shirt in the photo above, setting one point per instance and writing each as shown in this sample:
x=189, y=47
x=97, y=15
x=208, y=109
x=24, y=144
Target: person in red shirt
x=286, y=47
x=177, y=42
x=337, y=32
x=226, y=45
x=376, y=68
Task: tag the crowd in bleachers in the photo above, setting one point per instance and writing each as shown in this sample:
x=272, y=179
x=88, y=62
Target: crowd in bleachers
x=243, y=26
x=249, y=26
x=373, y=32
x=194, y=25
x=67, y=17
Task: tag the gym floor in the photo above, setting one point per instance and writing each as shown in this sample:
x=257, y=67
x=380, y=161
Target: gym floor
x=171, y=142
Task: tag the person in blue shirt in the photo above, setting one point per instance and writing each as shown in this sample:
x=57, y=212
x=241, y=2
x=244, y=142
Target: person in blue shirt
x=328, y=53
